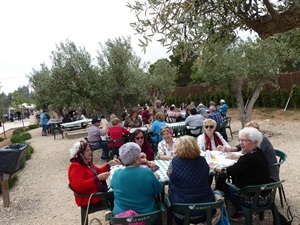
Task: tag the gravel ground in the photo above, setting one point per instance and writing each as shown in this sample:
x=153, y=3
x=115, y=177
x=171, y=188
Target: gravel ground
x=41, y=195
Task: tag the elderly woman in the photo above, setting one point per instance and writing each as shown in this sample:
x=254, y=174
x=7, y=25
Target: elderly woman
x=210, y=139
x=156, y=127
x=166, y=147
x=85, y=177
x=140, y=137
x=133, y=120
x=252, y=168
x=194, y=188
x=134, y=187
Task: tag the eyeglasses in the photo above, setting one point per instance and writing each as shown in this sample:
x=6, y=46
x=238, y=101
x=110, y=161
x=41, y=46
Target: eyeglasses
x=138, y=138
x=243, y=140
x=211, y=127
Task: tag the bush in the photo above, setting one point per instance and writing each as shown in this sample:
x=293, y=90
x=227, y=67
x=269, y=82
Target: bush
x=30, y=150
x=1, y=139
x=18, y=131
x=33, y=126
x=26, y=136
x=16, y=139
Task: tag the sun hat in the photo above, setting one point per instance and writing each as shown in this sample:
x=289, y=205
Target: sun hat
x=74, y=149
x=222, y=100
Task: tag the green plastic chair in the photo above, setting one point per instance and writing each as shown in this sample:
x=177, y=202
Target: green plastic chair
x=187, y=208
x=147, y=218
x=226, y=124
x=113, y=150
x=85, y=210
x=188, y=131
x=256, y=191
x=281, y=159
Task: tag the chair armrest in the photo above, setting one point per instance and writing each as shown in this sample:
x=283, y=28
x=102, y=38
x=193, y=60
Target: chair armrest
x=167, y=202
x=233, y=186
x=108, y=215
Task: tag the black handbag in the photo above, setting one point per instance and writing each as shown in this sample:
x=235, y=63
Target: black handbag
x=284, y=220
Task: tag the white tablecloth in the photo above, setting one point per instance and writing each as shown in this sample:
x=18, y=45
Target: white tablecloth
x=76, y=123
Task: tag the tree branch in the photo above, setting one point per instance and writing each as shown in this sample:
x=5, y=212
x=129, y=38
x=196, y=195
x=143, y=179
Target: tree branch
x=272, y=11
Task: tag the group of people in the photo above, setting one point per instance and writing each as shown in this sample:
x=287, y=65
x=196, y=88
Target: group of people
x=188, y=171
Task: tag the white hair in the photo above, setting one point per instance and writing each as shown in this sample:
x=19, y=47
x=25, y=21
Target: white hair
x=74, y=149
x=128, y=152
x=253, y=134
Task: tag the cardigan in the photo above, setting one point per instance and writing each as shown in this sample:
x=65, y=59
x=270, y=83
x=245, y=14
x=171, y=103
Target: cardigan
x=82, y=180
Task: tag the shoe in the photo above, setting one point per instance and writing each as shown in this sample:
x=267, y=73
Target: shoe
x=237, y=217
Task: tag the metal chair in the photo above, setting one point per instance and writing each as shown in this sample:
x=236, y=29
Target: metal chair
x=253, y=206
x=187, y=208
x=86, y=210
x=281, y=159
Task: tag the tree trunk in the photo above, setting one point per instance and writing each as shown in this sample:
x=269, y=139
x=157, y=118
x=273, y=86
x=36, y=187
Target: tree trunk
x=245, y=112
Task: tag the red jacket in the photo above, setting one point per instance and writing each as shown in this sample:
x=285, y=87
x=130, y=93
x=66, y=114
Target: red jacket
x=82, y=180
x=116, y=132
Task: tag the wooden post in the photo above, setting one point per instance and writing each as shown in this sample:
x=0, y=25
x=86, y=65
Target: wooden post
x=5, y=189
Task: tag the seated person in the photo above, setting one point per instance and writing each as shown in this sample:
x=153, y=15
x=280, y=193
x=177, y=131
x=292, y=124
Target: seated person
x=194, y=120
x=140, y=137
x=166, y=147
x=85, y=177
x=192, y=188
x=173, y=114
x=223, y=108
x=134, y=186
x=265, y=146
x=94, y=137
x=252, y=168
x=210, y=139
x=133, y=120
x=145, y=115
x=156, y=127
x=116, y=132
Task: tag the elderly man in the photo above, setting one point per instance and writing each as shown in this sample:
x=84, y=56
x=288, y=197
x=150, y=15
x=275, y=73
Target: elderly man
x=202, y=110
x=94, y=137
x=158, y=107
x=223, y=108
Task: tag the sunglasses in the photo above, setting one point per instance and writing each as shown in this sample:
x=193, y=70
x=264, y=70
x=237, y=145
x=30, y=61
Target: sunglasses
x=138, y=138
x=211, y=127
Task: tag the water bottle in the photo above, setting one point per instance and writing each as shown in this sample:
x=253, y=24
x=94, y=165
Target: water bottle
x=208, y=156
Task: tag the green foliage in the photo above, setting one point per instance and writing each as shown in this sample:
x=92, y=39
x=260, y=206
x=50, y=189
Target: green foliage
x=1, y=139
x=30, y=150
x=33, y=126
x=18, y=131
x=17, y=138
x=26, y=136
x=295, y=98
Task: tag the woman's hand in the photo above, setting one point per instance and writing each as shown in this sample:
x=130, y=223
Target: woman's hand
x=103, y=176
x=114, y=162
x=232, y=156
x=211, y=165
x=221, y=148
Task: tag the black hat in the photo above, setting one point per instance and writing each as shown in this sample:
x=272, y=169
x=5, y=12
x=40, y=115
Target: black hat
x=96, y=120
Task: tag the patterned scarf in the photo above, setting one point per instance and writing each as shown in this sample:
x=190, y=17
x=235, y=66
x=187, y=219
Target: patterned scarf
x=208, y=142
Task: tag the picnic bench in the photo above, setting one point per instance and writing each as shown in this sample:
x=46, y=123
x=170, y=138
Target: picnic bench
x=76, y=133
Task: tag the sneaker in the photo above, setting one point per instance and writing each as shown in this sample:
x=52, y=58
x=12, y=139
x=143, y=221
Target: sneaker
x=237, y=217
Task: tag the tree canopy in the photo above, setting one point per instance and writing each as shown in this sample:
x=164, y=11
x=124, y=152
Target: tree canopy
x=195, y=22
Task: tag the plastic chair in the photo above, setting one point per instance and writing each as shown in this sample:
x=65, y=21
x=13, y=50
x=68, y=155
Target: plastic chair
x=56, y=128
x=103, y=149
x=281, y=159
x=154, y=144
x=186, y=209
x=85, y=210
x=188, y=131
x=226, y=124
x=112, y=149
x=147, y=218
x=255, y=191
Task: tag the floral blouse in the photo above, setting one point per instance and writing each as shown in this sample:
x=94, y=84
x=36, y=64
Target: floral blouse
x=130, y=122
x=165, y=149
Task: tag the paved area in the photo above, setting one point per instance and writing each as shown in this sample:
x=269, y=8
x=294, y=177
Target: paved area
x=9, y=125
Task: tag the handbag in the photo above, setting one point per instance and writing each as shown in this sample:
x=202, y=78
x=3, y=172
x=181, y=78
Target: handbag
x=288, y=219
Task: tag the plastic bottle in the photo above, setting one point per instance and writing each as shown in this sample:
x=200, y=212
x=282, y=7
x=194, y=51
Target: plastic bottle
x=208, y=156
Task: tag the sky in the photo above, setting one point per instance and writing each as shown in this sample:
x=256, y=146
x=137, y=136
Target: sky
x=31, y=29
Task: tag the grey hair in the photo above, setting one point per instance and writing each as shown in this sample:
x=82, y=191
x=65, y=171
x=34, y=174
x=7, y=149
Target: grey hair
x=128, y=152
x=253, y=134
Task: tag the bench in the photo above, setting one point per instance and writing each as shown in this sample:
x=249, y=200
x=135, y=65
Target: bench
x=76, y=133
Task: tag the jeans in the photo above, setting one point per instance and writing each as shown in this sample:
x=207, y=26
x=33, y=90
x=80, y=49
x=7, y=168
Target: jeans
x=98, y=145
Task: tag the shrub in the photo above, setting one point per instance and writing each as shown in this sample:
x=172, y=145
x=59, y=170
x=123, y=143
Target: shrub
x=26, y=136
x=18, y=131
x=33, y=126
x=30, y=150
x=16, y=139
x=1, y=139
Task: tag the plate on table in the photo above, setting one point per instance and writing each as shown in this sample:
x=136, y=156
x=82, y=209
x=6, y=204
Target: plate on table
x=215, y=152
